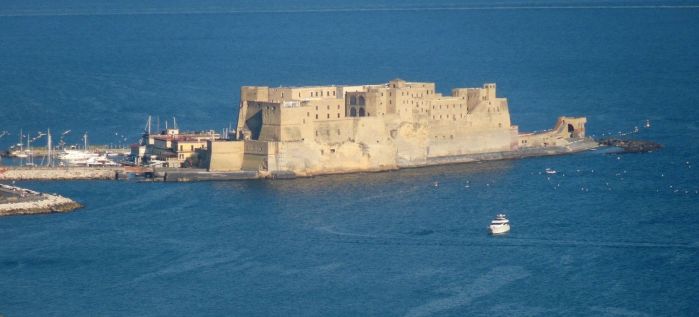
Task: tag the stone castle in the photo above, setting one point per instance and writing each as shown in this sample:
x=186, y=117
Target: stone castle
x=316, y=130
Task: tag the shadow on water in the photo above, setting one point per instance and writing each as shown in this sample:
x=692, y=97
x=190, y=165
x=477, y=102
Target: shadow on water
x=423, y=176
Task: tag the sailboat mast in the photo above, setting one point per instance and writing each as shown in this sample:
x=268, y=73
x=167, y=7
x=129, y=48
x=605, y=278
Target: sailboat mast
x=29, y=149
x=48, y=147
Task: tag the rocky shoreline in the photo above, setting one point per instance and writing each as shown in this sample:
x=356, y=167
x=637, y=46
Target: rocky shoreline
x=21, y=201
x=631, y=146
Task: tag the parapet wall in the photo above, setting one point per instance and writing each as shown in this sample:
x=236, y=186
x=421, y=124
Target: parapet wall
x=53, y=173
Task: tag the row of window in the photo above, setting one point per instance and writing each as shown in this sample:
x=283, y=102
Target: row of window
x=308, y=114
x=191, y=148
x=453, y=106
x=316, y=94
x=461, y=116
x=327, y=132
x=358, y=113
x=357, y=100
x=328, y=107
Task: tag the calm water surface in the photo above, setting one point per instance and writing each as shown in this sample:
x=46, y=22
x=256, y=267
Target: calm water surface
x=609, y=235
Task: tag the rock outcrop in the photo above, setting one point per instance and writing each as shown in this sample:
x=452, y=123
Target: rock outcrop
x=632, y=146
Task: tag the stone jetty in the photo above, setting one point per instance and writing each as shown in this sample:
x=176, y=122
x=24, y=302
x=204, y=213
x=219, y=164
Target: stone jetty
x=20, y=201
x=58, y=173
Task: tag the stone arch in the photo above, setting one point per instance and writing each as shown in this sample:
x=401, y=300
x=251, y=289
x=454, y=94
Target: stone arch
x=353, y=112
x=353, y=100
x=361, y=100
x=361, y=112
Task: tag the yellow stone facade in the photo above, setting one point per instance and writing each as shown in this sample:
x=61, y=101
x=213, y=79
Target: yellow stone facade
x=336, y=129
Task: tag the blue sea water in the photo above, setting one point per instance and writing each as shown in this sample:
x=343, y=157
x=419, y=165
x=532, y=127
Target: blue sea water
x=609, y=235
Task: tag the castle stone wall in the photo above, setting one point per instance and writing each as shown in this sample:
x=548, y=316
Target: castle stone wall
x=334, y=129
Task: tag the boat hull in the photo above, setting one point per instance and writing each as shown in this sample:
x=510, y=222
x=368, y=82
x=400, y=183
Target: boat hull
x=499, y=229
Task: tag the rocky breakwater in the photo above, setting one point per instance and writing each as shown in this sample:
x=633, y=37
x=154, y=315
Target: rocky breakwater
x=631, y=146
x=20, y=201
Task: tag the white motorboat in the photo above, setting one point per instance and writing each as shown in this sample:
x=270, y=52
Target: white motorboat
x=100, y=161
x=76, y=157
x=499, y=225
x=550, y=171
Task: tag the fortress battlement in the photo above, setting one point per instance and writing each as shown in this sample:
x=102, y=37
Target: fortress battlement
x=330, y=129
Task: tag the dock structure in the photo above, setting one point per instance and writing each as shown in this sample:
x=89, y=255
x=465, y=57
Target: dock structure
x=59, y=173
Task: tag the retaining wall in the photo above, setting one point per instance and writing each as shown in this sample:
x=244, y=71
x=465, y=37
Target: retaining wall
x=58, y=173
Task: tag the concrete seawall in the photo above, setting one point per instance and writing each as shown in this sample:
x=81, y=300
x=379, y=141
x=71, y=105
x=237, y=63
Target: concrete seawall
x=194, y=174
x=579, y=146
x=58, y=173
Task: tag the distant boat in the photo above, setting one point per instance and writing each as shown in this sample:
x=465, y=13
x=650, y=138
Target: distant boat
x=100, y=161
x=647, y=125
x=499, y=225
x=550, y=171
x=83, y=158
x=76, y=157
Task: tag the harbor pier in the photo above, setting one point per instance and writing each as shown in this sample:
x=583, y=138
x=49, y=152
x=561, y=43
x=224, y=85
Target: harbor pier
x=60, y=173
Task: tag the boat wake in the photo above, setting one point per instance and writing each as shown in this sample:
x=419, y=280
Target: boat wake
x=484, y=285
x=510, y=241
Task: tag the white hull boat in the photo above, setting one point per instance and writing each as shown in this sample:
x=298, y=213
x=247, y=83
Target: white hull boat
x=499, y=225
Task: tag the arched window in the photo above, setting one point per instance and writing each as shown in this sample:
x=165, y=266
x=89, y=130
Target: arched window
x=353, y=100
x=571, y=130
x=361, y=112
x=361, y=100
x=353, y=112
